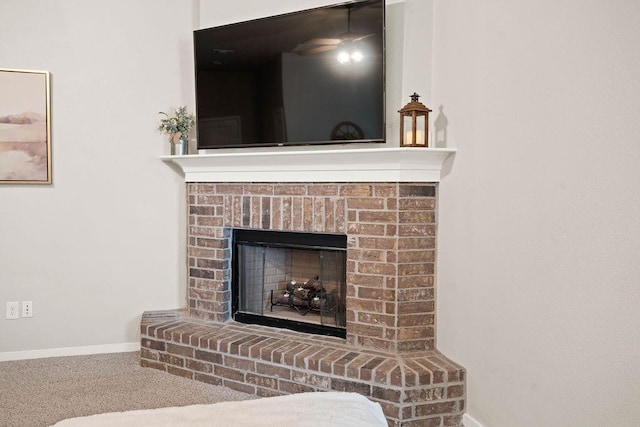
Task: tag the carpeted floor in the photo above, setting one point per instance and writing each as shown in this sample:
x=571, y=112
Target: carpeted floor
x=41, y=392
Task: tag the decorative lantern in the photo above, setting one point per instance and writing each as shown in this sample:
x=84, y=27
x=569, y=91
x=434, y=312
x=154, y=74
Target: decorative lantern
x=414, y=124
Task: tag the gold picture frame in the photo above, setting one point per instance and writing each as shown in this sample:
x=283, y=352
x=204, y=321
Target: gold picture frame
x=25, y=127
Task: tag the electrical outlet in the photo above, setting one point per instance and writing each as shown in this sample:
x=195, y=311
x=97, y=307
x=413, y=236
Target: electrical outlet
x=27, y=308
x=13, y=310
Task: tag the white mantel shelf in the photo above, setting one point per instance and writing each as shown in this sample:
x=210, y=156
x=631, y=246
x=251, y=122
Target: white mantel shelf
x=335, y=165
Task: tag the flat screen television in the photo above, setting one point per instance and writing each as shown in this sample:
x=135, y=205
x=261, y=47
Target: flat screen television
x=314, y=76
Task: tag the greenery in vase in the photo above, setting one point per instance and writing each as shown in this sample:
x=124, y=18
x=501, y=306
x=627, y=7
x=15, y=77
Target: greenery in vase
x=178, y=125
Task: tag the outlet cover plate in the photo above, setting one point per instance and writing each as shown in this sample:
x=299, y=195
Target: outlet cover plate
x=13, y=310
x=27, y=308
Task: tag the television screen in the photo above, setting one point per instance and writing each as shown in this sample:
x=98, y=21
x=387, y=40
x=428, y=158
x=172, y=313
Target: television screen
x=309, y=77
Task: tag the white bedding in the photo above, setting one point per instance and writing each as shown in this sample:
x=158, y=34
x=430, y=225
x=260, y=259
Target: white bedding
x=321, y=409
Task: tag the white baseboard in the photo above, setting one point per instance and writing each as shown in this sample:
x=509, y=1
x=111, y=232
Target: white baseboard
x=70, y=351
x=469, y=421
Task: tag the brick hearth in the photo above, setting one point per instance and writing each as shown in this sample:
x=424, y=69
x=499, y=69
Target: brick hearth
x=389, y=353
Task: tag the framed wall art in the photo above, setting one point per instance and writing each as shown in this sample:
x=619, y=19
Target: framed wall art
x=25, y=127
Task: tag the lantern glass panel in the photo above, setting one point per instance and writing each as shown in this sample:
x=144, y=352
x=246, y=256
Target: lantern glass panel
x=420, y=130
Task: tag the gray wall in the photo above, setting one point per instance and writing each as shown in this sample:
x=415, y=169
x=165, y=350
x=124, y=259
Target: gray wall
x=539, y=229
x=106, y=241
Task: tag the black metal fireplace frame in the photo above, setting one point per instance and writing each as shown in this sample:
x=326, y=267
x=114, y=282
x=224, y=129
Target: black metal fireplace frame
x=285, y=239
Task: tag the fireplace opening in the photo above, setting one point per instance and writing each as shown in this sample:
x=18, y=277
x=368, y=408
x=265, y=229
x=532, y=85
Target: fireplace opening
x=290, y=280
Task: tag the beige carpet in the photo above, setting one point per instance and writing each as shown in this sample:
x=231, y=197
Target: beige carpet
x=41, y=392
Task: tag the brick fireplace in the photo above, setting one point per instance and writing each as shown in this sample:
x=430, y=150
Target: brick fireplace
x=389, y=353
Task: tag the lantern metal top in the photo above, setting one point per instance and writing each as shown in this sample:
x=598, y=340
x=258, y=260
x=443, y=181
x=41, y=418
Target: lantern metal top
x=414, y=107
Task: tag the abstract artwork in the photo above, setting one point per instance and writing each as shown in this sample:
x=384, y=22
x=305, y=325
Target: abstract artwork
x=25, y=130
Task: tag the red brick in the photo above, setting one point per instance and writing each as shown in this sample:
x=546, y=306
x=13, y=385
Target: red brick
x=265, y=392
x=417, y=204
x=356, y=190
x=148, y=354
x=420, y=376
x=225, y=341
x=410, y=307
x=152, y=344
x=290, y=190
x=351, y=386
x=277, y=371
x=376, y=319
x=157, y=331
x=386, y=243
x=417, y=190
x=227, y=189
x=424, y=422
x=415, y=319
x=258, y=189
x=179, y=372
x=367, y=330
x=262, y=381
x=326, y=364
x=366, y=229
x=436, y=372
x=392, y=413
x=290, y=356
x=209, y=379
x=302, y=359
x=239, y=386
x=256, y=342
x=376, y=294
x=439, y=408
x=452, y=420
x=370, y=280
x=239, y=363
x=385, y=393
x=416, y=269
x=208, y=356
x=266, y=353
x=425, y=394
x=180, y=350
x=455, y=391
x=412, y=218
x=425, y=344
x=152, y=364
x=323, y=190
x=321, y=382
x=354, y=367
x=415, y=281
x=339, y=365
x=196, y=365
x=232, y=374
x=171, y=360
x=291, y=387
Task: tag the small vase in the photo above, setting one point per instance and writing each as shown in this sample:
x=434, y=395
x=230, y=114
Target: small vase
x=181, y=148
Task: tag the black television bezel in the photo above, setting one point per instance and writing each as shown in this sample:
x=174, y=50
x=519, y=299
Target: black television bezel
x=266, y=144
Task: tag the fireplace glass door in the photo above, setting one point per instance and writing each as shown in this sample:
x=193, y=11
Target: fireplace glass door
x=290, y=280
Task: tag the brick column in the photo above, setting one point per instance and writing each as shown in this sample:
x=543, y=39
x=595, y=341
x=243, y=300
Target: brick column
x=390, y=268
